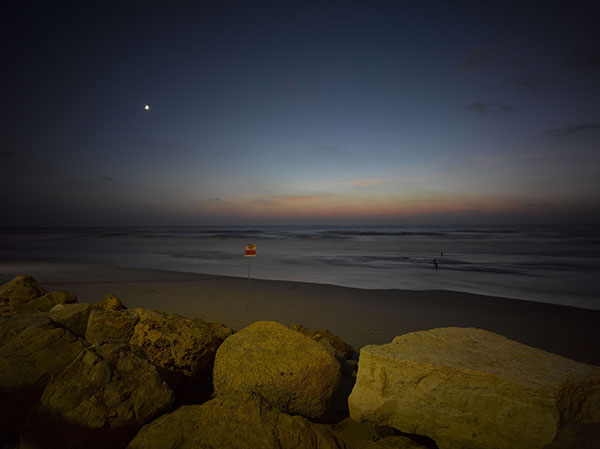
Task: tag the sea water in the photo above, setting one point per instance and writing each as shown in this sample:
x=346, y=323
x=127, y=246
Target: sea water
x=553, y=264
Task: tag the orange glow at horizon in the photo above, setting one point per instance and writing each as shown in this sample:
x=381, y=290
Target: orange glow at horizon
x=309, y=206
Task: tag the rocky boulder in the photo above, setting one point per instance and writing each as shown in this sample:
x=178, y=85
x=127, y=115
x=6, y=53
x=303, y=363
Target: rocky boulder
x=183, y=349
x=110, y=326
x=290, y=370
x=33, y=349
x=342, y=349
x=44, y=303
x=110, y=302
x=100, y=400
x=241, y=421
x=355, y=435
x=17, y=292
x=220, y=330
x=5, y=308
x=395, y=442
x=72, y=316
x=470, y=388
x=21, y=289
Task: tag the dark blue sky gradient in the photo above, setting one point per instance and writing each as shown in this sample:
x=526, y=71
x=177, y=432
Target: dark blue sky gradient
x=300, y=112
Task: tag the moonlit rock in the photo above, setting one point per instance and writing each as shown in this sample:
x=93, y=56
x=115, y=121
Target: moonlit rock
x=466, y=387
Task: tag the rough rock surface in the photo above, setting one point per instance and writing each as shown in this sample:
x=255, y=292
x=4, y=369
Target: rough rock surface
x=21, y=289
x=220, y=330
x=241, y=421
x=291, y=371
x=110, y=302
x=394, y=442
x=18, y=291
x=111, y=326
x=469, y=388
x=355, y=435
x=100, y=400
x=342, y=349
x=32, y=350
x=183, y=349
x=44, y=303
x=72, y=316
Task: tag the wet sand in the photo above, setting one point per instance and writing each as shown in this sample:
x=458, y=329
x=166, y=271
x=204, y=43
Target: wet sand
x=359, y=316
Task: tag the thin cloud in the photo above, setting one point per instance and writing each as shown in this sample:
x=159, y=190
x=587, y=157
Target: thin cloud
x=465, y=212
x=583, y=59
x=108, y=178
x=365, y=182
x=478, y=58
x=288, y=200
x=267, y=202
x=480, y=107
x=526, y=85
x=572, y=129
x=219, y=204
x=483, y=108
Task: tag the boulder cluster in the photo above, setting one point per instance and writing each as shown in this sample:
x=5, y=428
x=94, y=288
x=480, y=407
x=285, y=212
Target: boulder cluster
x=100, y=375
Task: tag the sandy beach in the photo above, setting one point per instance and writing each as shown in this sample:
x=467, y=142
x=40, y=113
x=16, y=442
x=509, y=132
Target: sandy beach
x=359, y=316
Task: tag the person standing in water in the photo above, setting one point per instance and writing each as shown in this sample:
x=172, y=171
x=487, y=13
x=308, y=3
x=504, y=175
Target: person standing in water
x=435, y=264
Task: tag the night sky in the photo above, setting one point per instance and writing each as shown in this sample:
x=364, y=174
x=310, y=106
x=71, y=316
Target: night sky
x=322, y=112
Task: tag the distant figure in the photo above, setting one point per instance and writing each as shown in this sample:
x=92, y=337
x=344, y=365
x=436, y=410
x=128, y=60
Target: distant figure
x=435, y=264
x=442, y=254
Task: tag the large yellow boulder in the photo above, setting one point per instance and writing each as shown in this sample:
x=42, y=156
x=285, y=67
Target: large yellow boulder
x=470, y=388
x=292, y=371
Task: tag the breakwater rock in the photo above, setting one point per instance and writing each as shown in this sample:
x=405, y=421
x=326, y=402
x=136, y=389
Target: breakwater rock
x=33, y=349
x=238, y=420
x=92, y=375
x=470, y=388
x=23, y=295
x=290, y=370
x=100, y=375
x=100, y=400
x=342, y=349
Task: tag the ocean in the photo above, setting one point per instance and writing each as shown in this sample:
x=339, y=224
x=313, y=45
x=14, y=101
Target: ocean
x=552, y=264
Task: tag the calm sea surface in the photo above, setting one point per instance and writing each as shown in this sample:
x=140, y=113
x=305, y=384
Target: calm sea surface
x=554, y=264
